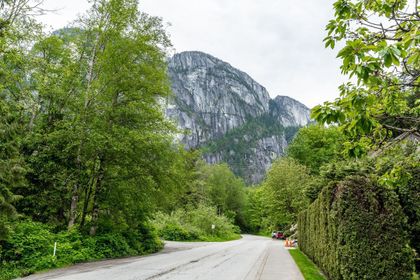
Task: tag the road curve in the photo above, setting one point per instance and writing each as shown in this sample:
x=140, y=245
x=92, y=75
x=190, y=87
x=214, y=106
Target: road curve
x=249, y=258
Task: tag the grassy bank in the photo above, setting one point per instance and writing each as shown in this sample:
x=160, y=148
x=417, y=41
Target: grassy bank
x=219, y=239
x=309, y=270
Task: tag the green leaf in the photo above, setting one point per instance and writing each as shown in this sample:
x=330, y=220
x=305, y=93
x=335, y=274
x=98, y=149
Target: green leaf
x=388, y=60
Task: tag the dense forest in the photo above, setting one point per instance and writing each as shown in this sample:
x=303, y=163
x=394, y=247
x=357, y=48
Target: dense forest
x=89, y=161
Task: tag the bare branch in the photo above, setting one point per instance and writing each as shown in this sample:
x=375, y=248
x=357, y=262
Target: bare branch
x=399, y=129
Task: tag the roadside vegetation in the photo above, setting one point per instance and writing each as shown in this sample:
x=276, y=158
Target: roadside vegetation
x=199, y=224
x=309, y=270
x=30, y=247
x=88, y=161
x=211, y=209
x=87, y=158
x=293, y=182
x=360, y=217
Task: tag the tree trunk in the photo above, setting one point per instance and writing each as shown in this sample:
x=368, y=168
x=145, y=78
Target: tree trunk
x=95, y=217
x=88, y=193
x=73, y=206
x=95, y=209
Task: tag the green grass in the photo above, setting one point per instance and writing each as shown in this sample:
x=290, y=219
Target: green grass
x=220, y=239
x=209, y=238
x=262, y=233
x=309, y=270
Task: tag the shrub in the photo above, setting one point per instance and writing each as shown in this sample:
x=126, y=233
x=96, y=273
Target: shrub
x=73, y=247
x=355, y=230
x=195, y=224
x=203, y=217
x=30, y=246
x=112, y=245
x=176, y=232
x=144, y=238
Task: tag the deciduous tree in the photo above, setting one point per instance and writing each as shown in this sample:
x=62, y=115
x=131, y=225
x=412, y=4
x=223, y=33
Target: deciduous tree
x=382, y=55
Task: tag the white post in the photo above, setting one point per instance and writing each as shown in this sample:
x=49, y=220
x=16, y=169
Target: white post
x=55, y=248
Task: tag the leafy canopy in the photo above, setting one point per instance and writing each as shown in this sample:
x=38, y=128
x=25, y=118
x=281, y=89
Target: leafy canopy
x=315, y=146
x=382, y=56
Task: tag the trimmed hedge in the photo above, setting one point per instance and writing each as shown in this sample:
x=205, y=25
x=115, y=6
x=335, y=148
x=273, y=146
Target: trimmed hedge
x=355, y=230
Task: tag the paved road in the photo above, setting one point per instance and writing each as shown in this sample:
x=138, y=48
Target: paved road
x=249, y=258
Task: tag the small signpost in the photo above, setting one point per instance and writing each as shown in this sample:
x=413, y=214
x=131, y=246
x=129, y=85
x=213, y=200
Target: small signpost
x=55, y=248
x=213, y=226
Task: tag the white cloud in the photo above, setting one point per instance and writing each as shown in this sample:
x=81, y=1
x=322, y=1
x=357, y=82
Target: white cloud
x=277, y=42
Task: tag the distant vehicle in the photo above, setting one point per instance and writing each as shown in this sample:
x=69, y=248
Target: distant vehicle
x=277, y=235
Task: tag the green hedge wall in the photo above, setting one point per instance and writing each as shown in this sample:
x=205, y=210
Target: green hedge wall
x=355, y=230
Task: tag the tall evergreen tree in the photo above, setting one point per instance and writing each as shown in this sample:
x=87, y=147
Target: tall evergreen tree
x=17, y=29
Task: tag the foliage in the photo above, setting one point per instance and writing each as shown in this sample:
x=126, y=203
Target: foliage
x=275, y=204
x=174, y=226
x=257, y=213
x=30, y=247
x=315, y=146
x=409, y=195
x=238, y=144
x=399, y=167
x=85, y=142
x=376, y=115
x=356, y=230
x=396, y=168
x=382, y=54
x=306, y=266
x=211, y=184
x=176, y=232
x=195, y=224
x=225, y=191
x=193, y=189
x=16, y=30
x=284, y=189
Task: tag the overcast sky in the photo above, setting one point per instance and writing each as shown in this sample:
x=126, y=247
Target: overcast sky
x=277, y=42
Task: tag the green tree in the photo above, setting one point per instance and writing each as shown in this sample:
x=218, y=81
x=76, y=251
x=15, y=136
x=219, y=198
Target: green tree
x=225, y=191
x=256, y=211
x=11, y=167
x=382, y=54
x=193, y=190
x=380, y=113
x=17, y=29
x=100, y=152
x=315, y=146
x=126, y=134
x=284, y=191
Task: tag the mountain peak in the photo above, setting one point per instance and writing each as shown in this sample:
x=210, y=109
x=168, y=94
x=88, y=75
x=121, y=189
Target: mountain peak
x=230, y=115
x=284, y=99
x=191, y=59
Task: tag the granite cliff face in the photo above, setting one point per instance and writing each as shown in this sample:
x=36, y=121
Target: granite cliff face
x=288, y=111
x=212, y=97
x=229, y=116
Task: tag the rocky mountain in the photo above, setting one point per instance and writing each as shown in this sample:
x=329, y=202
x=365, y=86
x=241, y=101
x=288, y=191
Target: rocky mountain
x=231, y=117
